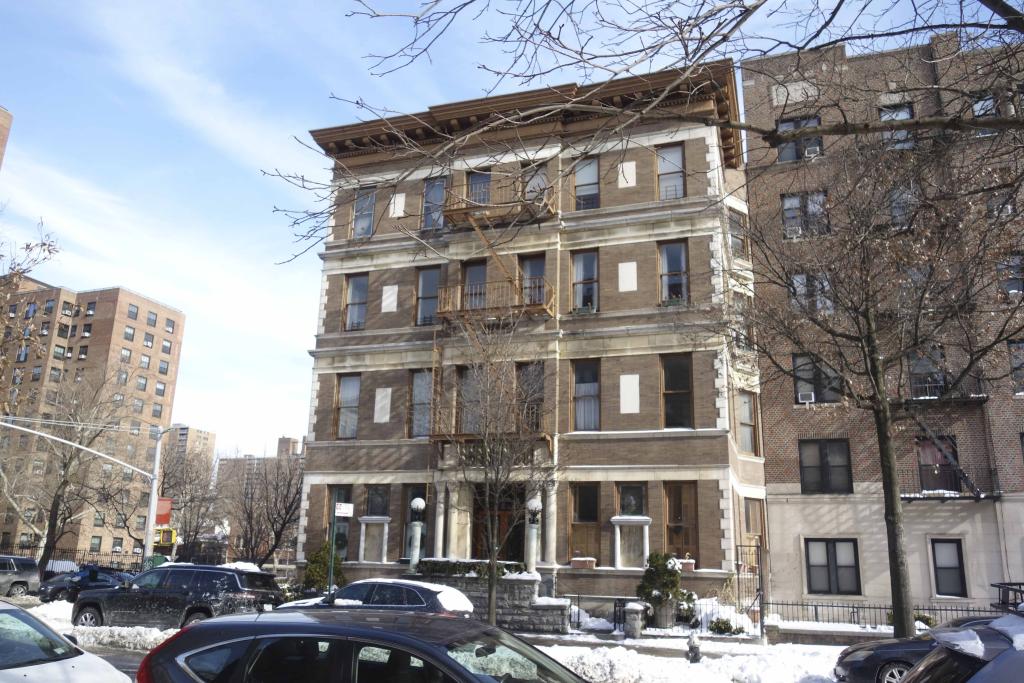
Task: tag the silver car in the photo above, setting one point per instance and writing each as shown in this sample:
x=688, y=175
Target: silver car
x=18, y=575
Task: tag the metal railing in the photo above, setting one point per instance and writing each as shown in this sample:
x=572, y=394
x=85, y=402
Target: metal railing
x=503, y=199
x=869, y=615
x=525, y=294
x=70, y=559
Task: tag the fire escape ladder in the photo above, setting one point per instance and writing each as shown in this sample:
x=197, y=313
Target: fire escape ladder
x=948, y=457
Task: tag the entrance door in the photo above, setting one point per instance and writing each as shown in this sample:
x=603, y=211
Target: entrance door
x=510, y=524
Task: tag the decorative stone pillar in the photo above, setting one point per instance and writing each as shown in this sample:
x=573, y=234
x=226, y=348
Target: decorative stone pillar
x=439, y=518
x=550, y=522
x=533, y=508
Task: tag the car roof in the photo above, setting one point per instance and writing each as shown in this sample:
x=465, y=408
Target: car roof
x=415, y=585
x=18, y=557
x=432, y=628
x=9, y=606
x=208, y=567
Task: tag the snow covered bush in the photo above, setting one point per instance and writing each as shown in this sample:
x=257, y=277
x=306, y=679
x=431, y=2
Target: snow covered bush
x=661, y=580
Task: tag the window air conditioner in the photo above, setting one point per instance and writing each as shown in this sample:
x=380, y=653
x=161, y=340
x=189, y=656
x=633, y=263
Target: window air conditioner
x=12, y=314
x=90, y=312
x=137, y=551
x=805, y=397
x=812, y=152
x=87, y=334
x=43, y=333
x=792, y=232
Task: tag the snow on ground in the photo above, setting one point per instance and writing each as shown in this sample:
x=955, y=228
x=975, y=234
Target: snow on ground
x=587, y=622
x=57, y=615
x=763, y=664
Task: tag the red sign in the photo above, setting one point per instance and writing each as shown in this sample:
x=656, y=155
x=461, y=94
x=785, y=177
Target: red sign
x=163, y=511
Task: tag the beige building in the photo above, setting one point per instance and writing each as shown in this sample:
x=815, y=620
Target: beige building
x=125, y=348
x=825, y=510
x=622, y=271
x=183, y=440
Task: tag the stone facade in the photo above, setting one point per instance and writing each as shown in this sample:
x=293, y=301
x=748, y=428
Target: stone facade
x=518, y=608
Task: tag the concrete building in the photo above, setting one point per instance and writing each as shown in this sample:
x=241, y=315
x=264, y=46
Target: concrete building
x=186, y=440
x=125, y=348
x=962, y=521
x=626, y=262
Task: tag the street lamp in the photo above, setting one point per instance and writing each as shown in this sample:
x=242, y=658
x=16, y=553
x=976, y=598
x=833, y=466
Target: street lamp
x=417, y=505
x=154, y=476
x=533, y=508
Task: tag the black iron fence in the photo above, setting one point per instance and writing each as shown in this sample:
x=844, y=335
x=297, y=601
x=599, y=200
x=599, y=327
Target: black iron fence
x=869, y=615
x=71, y=559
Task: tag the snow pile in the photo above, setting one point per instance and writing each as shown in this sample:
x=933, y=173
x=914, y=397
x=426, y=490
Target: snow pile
x=57, y=615
x=1012, y=627
x=551, y=602
x=966, y=641
x=587, y=622
x=242, y=566
x=774, y=664
x=522, y=576
x=311, y=602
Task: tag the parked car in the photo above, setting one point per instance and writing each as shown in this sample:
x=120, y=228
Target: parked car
x=67, y=586
x=409, y=596
x=31, y=652
x=18, y=575
x=993, y=653
x=372, y=645
x=889, y=660
x=176, y=595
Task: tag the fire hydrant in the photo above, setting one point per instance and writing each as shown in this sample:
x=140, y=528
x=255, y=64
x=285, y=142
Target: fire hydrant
x=693, y=649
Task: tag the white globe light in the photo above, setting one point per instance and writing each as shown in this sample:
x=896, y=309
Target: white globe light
x=418, y=504
x=533, y=505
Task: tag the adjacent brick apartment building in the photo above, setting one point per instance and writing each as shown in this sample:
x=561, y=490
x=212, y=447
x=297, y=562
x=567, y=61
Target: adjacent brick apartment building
x=822, y=464
x=108, y=336
x=627, y=262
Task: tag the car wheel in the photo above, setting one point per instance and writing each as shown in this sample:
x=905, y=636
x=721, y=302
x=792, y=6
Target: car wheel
x=90, y=616
x=17, y=590
x=893, y=672
x=195, y=618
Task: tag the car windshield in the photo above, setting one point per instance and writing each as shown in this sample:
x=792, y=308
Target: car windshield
x=263, y=582
x=493, y=656
x=25, y=641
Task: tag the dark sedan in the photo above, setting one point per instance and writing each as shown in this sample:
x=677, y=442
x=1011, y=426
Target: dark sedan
x=888, y=661
x=364, y=646
x=68, y=586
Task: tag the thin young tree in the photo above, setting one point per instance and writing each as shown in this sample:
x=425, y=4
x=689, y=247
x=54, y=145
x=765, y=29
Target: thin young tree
x=263, y=505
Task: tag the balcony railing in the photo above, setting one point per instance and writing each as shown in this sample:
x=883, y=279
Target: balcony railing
x=936, y=385
x=526, y=419
x=529, y=295
x=502, y=201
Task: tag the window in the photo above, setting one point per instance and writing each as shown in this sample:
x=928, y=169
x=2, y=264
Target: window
x=984, y=107
x=164, y=367
x=169, y=326
x=95, y=543
x=479, y=184
x=137, y=405
x=671, y=182
x=140, y=522
x=812, y=293
x=586, y=529
x=294, y=658
x=746, y=422
x=59, y=353
x=825, y=466
x=801, y=148
x=135, y=427
x=426, y=295
x=63, y=330
x=434, y=191
x=129, y=333
x=474, y=284
x=804, y=214
x=530, y=394
x=348, y=406
x=165, y=346
x=362, y=214
x=753, y=521
x=832, y=566
x=157, y=411
x=677, y=390
x=584, y=281
x=586, y=395
x=151, y=319
x=97, y=518
x=536, y=185
x=902, y=204
x=83, y=352
x=937, y=466
x=90, y=308
x=74, y=330
x=377, y=497
x=681, y=518
x=356, y=291
x=468, y=401
x=419, y=406
x=48, y=306
x=133, y=312
x=588, y=188
x=632, y=499
x=533, y=284
x=66, y=308
x=118, y=399
x=1016, y=351
x=37, y=373
x=375, y=663
x=79, y=374
x=18, y=375
x=30, y=310
x=813, y=381
x=948, y=559
x=675, y=283
x=897, y=139
x=44, y=328
x=160, y=389
x=122, y=377
x=144, y=361
x=738, y=234
x=55, y=374
x=147, y=340
x=118, y=545
x=126, y=355
x=1011, y=274
x=927, y=378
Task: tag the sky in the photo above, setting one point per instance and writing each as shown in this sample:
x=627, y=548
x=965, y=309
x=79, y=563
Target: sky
x=141, y=133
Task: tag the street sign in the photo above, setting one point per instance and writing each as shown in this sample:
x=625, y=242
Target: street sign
x=343, y=509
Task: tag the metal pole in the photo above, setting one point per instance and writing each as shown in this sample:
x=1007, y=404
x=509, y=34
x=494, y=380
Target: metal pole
x=147, y=552
x=76, y=445
x=330, y=561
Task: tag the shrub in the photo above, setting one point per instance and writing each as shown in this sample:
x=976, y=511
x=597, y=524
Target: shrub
x=465, y=568
x=315, y=575
x=688, y=609
x=724, y=627
x=926, y=619
x=661, y=580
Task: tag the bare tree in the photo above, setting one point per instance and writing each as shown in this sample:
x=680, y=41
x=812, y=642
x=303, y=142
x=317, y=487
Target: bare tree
x=263, y=505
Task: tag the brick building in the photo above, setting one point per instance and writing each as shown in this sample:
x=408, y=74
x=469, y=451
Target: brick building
x=627, y=260
x=126, y=347
x=822, y=470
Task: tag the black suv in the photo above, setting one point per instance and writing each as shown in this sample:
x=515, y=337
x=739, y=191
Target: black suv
x=175, y=595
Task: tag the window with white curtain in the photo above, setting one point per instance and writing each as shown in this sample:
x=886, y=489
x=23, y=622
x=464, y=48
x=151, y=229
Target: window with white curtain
x=419, y=420
x=670, y=172
x=586, y=395
x=584, y=281
x=348, y=406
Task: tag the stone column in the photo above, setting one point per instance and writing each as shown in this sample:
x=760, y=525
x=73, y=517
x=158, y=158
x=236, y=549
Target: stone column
x=550, y=523
x=439, y=519
x=453, y=527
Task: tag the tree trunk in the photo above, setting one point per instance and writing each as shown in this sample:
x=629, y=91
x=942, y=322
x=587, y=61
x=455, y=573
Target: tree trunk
x=492, y=588
x=50, y=540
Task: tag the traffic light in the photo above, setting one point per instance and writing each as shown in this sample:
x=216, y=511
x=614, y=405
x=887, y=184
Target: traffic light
x=166, y=536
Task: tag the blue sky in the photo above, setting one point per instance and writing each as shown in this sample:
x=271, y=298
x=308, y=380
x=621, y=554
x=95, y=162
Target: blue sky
x=140, y=131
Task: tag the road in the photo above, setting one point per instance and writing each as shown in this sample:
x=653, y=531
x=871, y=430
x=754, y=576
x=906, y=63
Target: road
x=126, y=661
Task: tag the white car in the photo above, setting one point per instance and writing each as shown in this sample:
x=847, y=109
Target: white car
x=31, y=652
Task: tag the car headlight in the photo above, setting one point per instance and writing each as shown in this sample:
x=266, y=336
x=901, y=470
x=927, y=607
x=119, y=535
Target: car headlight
x=857, y=656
